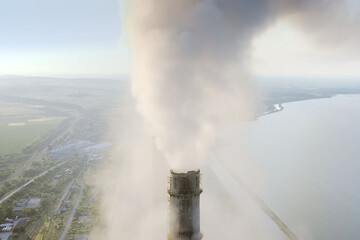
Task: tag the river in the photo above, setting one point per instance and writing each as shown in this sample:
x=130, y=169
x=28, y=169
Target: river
x=309, y=159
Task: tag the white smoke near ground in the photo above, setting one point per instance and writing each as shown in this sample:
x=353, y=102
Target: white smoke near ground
x=132, y=182
x=189, y=81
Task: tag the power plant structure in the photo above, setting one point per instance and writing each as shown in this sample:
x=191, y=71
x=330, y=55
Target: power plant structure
x=184, y=190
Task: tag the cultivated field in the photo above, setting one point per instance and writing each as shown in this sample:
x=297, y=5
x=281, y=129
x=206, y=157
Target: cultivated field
x=19, y=131
x=8, y=110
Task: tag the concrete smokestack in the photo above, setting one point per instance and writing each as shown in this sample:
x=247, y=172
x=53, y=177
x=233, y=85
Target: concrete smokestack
x=184, y=191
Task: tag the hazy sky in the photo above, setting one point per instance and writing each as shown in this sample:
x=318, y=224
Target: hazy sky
x=287, y=51
x=61, y=37
x=86, y=37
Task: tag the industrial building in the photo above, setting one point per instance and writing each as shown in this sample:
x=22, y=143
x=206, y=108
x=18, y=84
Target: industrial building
x=184, y=191
x=29, y=203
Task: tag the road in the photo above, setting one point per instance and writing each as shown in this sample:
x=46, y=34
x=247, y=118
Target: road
x=27, y=183
x=6, y=235
x=60, y=131
x=64, y=198
x=72, y=214
x=233, y=187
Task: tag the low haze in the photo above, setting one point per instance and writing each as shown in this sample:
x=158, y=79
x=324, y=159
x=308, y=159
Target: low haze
x=193, y=119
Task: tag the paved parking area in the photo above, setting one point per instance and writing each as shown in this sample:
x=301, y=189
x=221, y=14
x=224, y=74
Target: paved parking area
x=5, y=235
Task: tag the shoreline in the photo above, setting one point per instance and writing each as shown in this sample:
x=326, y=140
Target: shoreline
x=278, y=107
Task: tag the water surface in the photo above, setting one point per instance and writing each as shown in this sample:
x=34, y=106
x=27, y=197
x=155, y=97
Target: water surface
x=309, y=155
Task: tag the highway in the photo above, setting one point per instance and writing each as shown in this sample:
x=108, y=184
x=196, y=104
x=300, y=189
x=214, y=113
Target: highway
x=282, y=226
x=64, y=127
x=236, y=189
x=72, y=214
x=60, y=131
x=27, y=183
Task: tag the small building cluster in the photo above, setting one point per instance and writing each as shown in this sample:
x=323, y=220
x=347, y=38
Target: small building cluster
x=29, y=203
x=64, y=203
x=70, y=149
x=9, y=225
x=81, y=147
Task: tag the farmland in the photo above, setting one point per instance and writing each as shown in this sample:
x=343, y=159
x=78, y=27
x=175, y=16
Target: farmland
x=56, y=113
x=17, y=132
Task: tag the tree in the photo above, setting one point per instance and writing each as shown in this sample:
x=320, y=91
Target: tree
x=29, y=212
x=8, y=212
x=19, y=230
x=46, y=201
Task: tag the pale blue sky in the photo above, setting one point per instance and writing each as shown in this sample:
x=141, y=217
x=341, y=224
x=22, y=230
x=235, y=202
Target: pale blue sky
x=86, y=38
x=58, y=24
x=62, y=37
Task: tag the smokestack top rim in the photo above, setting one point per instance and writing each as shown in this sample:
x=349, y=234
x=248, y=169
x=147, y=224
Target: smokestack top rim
x=193, y=172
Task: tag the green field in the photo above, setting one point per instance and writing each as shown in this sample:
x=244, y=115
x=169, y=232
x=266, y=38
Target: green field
x=19, y=132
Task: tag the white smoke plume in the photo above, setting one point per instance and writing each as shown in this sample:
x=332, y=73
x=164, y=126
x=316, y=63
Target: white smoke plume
x=331, y=23
x=190, y=58
x=189, y=77
x=190, y=80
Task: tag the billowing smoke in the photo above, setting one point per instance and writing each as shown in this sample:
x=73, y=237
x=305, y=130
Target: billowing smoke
x=190, y=80
x=190, y=59
x=189, y=71
x=331, y=23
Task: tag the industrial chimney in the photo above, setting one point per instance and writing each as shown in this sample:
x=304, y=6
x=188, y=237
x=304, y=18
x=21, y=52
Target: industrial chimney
x=184, y=191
